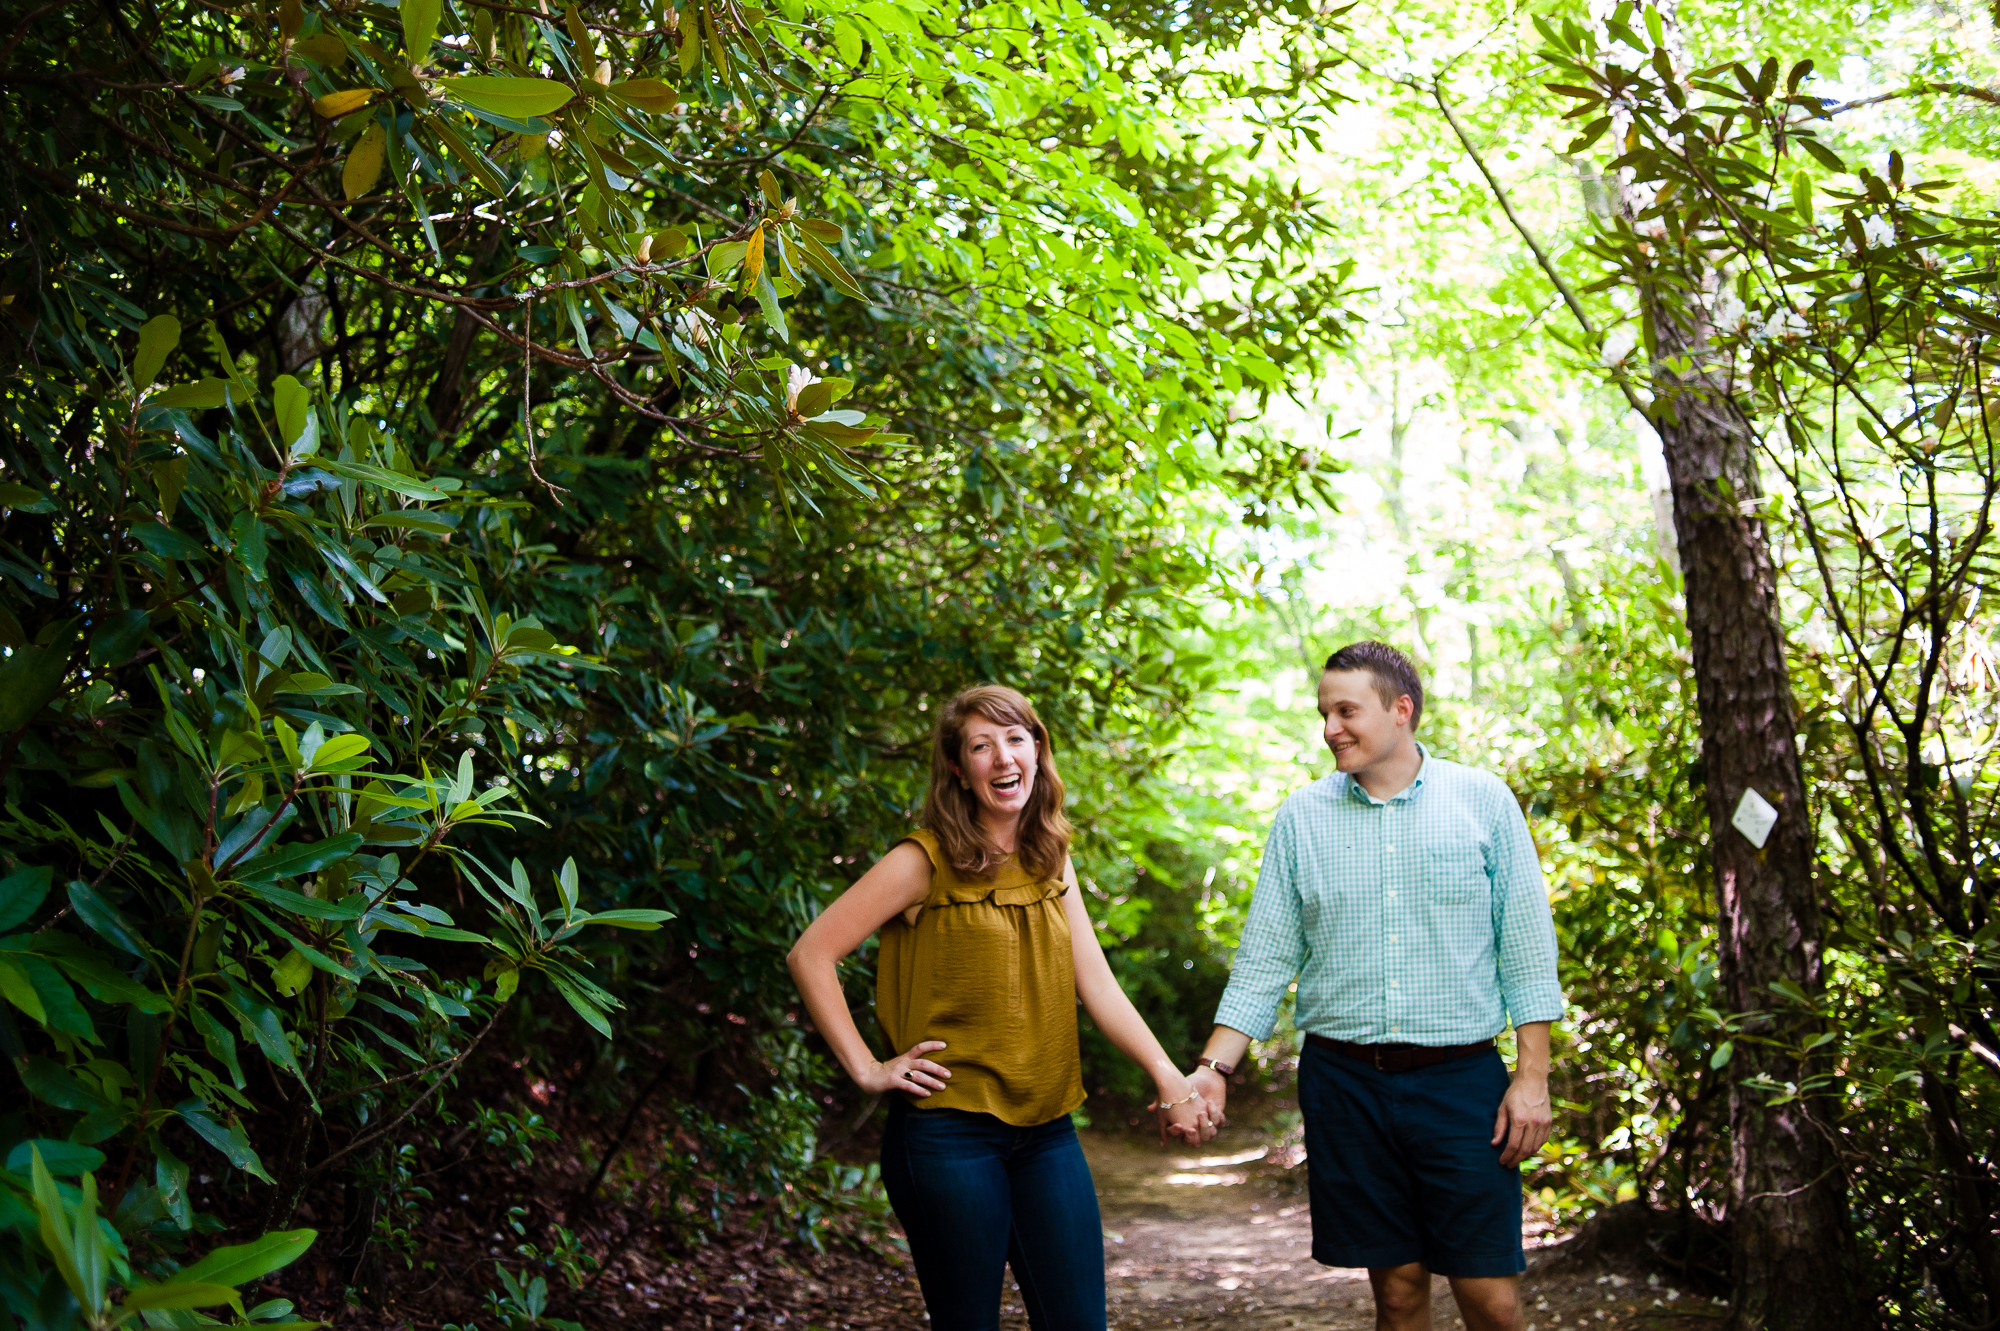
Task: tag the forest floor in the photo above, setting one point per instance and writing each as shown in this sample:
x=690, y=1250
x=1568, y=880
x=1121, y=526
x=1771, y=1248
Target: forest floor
x=1222, y=1238
x=1216, y=1237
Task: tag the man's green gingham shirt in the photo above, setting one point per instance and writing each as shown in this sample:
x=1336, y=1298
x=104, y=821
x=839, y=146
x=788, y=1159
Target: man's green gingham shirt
x=1421, y=919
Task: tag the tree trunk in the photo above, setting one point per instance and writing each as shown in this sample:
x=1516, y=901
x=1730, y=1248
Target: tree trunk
x=1793, y=1253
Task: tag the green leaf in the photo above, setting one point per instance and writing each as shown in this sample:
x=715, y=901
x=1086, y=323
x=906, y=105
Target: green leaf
x=158, y=336
x=51, y=1083
x=245, y=1262
x=193, y=397
x=230, y=1140
x=18, y=989
x=299, y=858
x=21, y=894
x=298, y=903
x=1802, y=196
x=420, y=21
x=31, y=676
x=114, y=641
x=630, y=919
x=847, y=41
x=104, y=918
x=767, y=301
x=506, y=95
x=338, y=750
x=586, y=1009
x=416, y=519
x=167, y=542
x=1723, y=1053
x=646, y=94
x=63, y=1012
x=388, y=480
x=58, y=1236
x=1822, y=154
x=63, y=1159
x=823, y=262
x=292, y=405
x=181, y=1294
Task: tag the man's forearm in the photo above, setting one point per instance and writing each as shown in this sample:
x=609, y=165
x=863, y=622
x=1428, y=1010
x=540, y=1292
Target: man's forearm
x=1531, y=1049
x=1226, y=1045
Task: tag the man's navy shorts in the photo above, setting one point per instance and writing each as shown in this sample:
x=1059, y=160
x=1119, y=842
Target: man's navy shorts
x=1401, y=1165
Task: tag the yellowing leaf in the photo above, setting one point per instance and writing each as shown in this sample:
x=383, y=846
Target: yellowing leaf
x=337, y=104
x=364, y=163
x=646, y=94
x=533, y=146
x=753, y=255
x=292, y=974
x=508, y=96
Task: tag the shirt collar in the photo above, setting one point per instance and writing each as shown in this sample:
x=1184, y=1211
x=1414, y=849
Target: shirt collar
x=1409, y=792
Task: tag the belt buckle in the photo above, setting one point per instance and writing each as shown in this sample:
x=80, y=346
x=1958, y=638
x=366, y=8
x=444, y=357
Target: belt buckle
x=1377, y=1051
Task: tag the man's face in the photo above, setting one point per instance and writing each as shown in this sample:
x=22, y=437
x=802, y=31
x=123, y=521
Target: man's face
x=1359, y=729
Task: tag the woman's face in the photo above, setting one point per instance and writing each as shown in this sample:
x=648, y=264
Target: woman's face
x=998, y=763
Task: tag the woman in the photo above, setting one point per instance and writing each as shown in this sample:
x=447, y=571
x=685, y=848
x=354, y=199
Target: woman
x=985, y=950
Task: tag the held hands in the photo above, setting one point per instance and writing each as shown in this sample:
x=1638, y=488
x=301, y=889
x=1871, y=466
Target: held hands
x=1214, y=1088
x=1188, y=1118
x=910, y=1072
x=1522, y=1126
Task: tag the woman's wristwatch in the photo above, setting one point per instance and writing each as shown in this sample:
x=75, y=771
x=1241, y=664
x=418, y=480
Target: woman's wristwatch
x=1220, y=1069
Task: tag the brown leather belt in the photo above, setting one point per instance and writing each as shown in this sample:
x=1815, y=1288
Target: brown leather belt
x=1400, y=1057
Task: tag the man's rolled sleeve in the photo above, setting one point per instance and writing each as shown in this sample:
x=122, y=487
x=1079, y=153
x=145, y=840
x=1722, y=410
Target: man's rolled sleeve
x=1524, y=934
x=1274, y=941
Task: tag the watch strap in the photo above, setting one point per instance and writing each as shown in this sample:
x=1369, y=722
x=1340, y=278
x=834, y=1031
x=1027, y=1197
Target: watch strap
x=1221, y=1069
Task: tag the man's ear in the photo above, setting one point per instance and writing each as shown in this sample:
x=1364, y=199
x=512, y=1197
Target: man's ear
x=1404, y=709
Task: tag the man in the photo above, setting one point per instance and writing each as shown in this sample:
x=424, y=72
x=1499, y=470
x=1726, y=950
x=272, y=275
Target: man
x=1405, y=896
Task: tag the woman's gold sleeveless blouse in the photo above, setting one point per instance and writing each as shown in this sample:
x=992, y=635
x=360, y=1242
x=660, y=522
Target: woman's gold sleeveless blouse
x=987, y=969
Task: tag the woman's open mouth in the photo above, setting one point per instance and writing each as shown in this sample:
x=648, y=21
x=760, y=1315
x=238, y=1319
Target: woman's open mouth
x=1007, y=784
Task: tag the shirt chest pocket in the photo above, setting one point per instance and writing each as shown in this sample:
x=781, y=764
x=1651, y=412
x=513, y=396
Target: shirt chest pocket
x=1455, y=876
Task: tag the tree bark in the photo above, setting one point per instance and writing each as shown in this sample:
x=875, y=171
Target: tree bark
x=1792, y=1248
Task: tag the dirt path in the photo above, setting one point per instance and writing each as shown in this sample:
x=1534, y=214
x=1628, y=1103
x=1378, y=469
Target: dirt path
x=1221, y=1238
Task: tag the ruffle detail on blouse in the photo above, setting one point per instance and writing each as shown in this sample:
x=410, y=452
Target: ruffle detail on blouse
x=1009, y=886
x=999, y=894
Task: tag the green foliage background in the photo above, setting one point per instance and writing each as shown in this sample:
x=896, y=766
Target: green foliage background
x=492, y=501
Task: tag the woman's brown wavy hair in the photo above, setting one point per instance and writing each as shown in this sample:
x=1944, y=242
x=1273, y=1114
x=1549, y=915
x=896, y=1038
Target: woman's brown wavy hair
x=952, y=814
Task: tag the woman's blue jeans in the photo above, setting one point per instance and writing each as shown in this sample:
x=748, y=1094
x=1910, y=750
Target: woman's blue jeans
x=976, y=1194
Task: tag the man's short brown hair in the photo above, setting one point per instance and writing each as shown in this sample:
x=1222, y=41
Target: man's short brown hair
x=1395, y=675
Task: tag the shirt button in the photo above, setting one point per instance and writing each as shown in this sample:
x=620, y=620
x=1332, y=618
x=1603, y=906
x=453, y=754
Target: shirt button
x=1392, y=938
x=1390, y=850
x=1392, y=891
x=1395, y=984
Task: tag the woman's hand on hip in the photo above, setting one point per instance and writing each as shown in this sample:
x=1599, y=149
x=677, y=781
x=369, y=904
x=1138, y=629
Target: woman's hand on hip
x=910, y=1072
